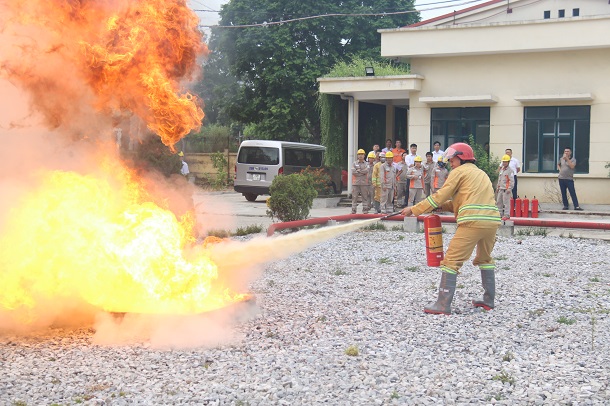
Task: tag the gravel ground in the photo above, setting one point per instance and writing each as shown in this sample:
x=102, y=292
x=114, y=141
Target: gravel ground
x=360, y=292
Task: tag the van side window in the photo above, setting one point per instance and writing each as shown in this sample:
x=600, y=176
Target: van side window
x=304, y=158
x=259, y=156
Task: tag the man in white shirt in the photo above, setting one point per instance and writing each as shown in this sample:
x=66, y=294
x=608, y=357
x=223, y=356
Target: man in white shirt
x=184, y=169
x=388, y=146
x=409, y=163
x=437, y=152
x=515, y=165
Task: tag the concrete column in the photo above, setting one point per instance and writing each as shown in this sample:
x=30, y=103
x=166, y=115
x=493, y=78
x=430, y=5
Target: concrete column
x=352, y=138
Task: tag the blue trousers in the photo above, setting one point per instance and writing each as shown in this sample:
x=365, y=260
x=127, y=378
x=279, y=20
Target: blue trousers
x=568, y=185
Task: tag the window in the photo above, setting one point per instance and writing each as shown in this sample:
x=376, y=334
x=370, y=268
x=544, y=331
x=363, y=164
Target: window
x=562, y=13
x=547, y=14
x=455, y=124
x=575, y=12
x=548, y=130
x=259, y=156
x=303, y=157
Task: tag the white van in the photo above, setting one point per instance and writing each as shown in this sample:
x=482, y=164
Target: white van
x=260, y=161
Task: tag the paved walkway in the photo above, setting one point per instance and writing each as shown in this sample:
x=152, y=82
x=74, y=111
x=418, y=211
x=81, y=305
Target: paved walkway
x=229, y=210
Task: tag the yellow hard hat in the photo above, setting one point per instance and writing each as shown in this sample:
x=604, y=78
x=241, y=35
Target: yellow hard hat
x=440, y=159
x=371, y=155
x=180, y=153
x=389, y=154
x=505, y=158
x=361, y=151
x=417, y=159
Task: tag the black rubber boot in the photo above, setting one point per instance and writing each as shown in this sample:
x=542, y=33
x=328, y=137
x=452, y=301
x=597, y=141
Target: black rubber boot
x=446, y=289
x=488, y=279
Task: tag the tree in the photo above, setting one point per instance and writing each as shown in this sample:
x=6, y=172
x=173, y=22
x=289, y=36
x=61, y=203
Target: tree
x=276, y=66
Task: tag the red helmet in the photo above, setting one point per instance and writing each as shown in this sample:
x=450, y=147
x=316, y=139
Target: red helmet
x=460, y=149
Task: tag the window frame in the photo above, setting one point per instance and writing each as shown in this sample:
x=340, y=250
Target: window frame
x=562, y=129
x=474, y=123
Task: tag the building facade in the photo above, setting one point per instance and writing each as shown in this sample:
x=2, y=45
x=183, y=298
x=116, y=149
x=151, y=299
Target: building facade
x=530, y=75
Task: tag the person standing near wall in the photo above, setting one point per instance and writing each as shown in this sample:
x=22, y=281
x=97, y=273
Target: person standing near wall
x=388, y=146
x=468, y=193
x=184, y=169
x=410, y=162
x=429, y=167
x=377, y=182
x=437, y=152
x=566, y=166
x=515, y=165
x=360, y=186
x=506, y=180
x=371, y=158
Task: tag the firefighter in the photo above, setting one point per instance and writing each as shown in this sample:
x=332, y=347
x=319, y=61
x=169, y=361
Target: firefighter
x=371, y=157
x=506, y=182
x=469, y=194
x=416, y=175
x=360, y=183
x=376, y=182
x=439, y=176
x=387, y=179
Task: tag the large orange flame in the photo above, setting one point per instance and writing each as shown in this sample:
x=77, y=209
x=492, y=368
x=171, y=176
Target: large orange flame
x=99, y=239
x=121, y=57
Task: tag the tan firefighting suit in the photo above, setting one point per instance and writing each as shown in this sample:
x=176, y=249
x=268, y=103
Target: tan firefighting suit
x=429, y=171
x=439, y=178
x=361, y=186
x=506, y=182
x=476, y=215
x=401, y=186
x=387, y=178
x=377, y=186
x=416, y=178
x=371, y=186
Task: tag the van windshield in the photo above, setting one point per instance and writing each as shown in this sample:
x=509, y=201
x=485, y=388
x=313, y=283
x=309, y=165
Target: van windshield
x=259, y=155
x=303, y=157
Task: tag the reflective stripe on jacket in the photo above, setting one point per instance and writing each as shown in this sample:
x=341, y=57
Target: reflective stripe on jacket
x=472, y=198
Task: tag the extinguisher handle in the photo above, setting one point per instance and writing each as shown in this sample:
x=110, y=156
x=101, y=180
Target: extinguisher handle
x=390, y=215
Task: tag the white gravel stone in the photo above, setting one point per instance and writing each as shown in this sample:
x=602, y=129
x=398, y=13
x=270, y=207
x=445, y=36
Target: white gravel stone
x=363, y=289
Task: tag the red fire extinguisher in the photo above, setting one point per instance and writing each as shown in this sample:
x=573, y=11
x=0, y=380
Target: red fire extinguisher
x=518, y=207
x=434, y=239
x=512, y=207
x=535, y=208
x=525, y=211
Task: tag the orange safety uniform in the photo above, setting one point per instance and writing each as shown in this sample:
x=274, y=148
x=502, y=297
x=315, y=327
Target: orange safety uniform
x=506, y=182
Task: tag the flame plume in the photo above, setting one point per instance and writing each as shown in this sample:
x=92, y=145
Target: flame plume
x=115, y=57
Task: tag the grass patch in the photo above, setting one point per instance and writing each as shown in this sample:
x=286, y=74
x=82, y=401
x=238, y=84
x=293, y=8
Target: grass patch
x=504, y=377
x=566, y=320
x=411, y=269
x=527, y=231
x=594, y=279
x=547, y=275
x=396, y=228
x=508, y=357
x=352, y=351
x=339, y=272
x=501, y=258
x=375, y=226
x=385, y=260
x=251, y=229
x=219, y=233
x=394, y=395
x=401, y=237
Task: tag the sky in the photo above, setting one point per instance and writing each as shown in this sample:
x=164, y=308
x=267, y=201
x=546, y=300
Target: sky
x=210, y=18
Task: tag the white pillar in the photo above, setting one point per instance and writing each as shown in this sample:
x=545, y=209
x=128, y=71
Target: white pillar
x=351, y=139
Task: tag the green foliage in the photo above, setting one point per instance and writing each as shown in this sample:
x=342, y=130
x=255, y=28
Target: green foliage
x=219, y=162
x=333, y=126
x=566, y=320
x=487, y=163
x=375, y=226
x=251, y=229
x=320, y=179
x=291, y=197
x=504, y=377
x=153, y=154
x=608, y=167
x=269, y=72
x=355, y=67
x=211, y=138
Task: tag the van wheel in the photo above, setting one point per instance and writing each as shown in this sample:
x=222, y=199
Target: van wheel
x=250, y=196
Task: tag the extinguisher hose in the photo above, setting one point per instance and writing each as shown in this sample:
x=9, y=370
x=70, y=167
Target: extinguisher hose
x=390, y=215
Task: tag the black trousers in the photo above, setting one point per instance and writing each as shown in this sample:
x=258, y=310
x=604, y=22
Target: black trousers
x=515, y=188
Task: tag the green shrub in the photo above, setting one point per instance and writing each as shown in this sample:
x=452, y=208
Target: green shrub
x=321, y=180
x=488, y=163
x=219, y=162
x=291, y=197
x=153, y=154
x=251, y=229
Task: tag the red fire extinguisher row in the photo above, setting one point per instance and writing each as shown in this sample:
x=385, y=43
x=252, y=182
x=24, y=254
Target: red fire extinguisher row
x=518, y=206
x=526, y=207
x=535, y=208
x=433, y=231
x=512, y=207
